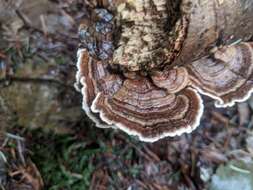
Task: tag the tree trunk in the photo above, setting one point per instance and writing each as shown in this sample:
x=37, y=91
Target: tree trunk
x=214, y=23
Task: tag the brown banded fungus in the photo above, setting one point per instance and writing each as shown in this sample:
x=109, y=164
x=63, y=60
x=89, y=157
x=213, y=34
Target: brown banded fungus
x=227, y=76
x=143, y=63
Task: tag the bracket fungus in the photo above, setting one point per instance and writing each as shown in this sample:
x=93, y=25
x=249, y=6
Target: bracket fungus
x=142, y=64
x=227, y=76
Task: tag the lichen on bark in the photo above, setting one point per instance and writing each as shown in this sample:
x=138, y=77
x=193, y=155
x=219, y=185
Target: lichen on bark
x=151, y=34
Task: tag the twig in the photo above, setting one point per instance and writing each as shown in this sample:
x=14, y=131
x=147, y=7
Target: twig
x=36, y=80
x=235, y=168
x=16, y=137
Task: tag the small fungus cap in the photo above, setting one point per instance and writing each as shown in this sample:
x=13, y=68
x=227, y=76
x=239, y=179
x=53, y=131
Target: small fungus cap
x=226, y=76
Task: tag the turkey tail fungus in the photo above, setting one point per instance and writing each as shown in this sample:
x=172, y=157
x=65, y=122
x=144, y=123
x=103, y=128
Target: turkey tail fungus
x=226, y=76
x=142, y=63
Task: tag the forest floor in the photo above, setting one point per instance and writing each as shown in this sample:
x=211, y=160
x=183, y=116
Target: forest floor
x=74, y=154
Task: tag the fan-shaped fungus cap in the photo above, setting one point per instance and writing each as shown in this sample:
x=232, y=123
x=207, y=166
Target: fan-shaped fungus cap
x=139, y=108
x=88, y=79
x=227, y=76
x=135, y=105
x=173, y=80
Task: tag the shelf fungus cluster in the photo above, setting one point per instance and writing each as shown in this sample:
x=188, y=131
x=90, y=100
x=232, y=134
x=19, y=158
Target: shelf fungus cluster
x=142, y=64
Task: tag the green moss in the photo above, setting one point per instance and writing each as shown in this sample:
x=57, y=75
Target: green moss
x=64, y=161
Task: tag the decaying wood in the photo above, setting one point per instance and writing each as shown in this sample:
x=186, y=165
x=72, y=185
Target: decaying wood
x=143, y=43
